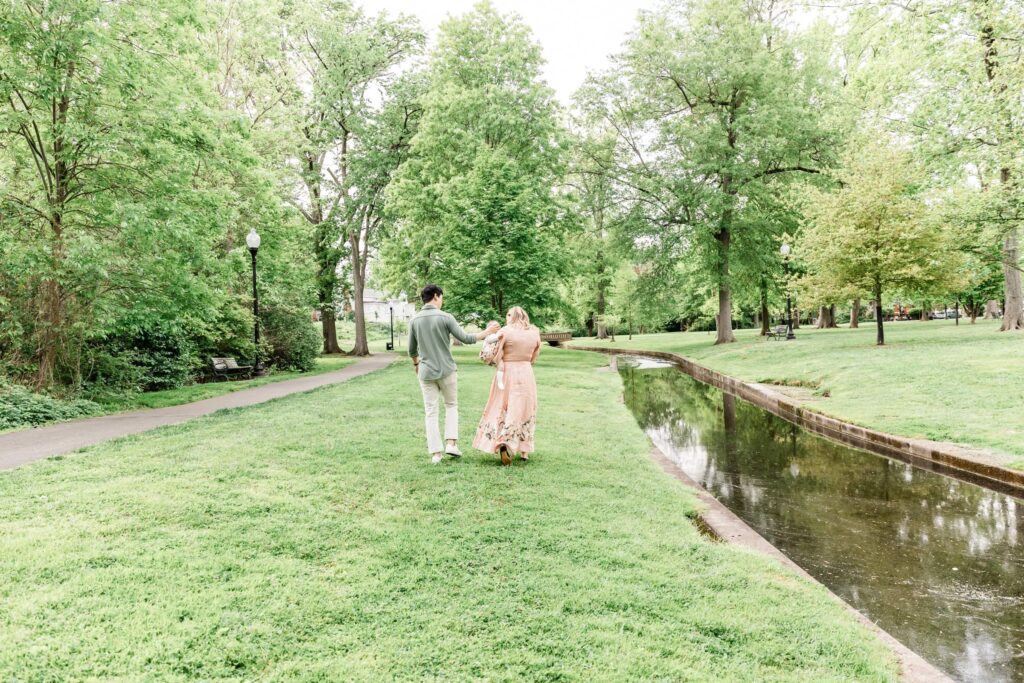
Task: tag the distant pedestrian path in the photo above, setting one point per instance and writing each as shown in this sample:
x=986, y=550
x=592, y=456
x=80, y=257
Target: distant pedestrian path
x=18, y=448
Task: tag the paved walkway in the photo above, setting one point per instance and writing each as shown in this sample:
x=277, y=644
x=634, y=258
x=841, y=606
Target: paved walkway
x=18, y=448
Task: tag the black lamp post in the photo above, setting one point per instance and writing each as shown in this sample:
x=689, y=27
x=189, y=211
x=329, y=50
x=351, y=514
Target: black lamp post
x=391, y=323
x=253, y=241
x=784, y=250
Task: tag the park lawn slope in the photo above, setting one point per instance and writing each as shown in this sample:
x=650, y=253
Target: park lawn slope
x=308, y=538
x=933, y=380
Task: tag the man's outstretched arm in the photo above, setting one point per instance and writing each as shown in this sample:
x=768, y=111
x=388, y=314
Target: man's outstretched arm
x=467, y=337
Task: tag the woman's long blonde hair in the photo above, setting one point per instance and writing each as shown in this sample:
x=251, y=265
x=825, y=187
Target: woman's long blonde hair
x=518, y=318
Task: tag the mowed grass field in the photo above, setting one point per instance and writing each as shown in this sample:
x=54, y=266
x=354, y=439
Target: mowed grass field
x=933, y=380
x=309, y=539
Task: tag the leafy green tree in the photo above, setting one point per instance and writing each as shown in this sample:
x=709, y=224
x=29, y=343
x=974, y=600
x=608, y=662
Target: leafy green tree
x=384, y=146
x=130, y=172
x=597, y=207
x=330, y=75
x=961, y=103
x=875, y=232
x=475, y=202
x=640, y=300
x=717, y=105
x=106, y=129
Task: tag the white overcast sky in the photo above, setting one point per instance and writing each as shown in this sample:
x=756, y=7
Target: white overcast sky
x=577, y=35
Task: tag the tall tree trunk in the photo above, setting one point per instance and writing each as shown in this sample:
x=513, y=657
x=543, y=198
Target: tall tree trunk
x=724, y=318
x=53, y=303
x=765, y=317
x=51, y=318
x=796, y=318
x=855, y=314
x=326, y=257
x=327, y=320
x=327, y=267
x=361, y=347
x=1013, y=310
x=827, y=317
x=991, y=310
x=924, y=311
x=880, y=339
x=1013, y=300
x=602, y=332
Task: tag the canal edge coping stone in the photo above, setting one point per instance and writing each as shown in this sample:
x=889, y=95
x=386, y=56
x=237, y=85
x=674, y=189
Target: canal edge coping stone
x=729, y=527
x=973, y=467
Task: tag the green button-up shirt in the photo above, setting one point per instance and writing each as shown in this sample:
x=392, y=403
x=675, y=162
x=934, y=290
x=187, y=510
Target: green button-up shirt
x=430, y=333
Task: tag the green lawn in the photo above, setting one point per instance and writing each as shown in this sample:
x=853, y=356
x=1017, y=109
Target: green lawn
x=308, y=538
x=933, y=380
x=198, y=392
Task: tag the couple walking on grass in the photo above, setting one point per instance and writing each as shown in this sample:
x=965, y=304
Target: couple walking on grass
x=510, y=416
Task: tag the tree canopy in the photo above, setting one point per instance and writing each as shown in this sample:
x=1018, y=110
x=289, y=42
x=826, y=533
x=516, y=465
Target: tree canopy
x=140, y=142
x=477, y=200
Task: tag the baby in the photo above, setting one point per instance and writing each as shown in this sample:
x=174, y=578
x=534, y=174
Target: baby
x=492, y=338
x=489, y=350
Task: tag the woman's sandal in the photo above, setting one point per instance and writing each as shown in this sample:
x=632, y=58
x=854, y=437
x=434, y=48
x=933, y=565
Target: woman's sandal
x=506, y=459
x=524, y=456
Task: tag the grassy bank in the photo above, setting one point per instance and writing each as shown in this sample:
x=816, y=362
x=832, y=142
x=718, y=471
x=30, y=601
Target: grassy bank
x=934, y=380
x=308, y=539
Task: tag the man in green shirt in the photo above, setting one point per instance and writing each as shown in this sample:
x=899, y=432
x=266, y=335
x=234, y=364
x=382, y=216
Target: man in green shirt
x=430, y=333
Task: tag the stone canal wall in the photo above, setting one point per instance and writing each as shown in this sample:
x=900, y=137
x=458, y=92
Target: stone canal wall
x=949, y=459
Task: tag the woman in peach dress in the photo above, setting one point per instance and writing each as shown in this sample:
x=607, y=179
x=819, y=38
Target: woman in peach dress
x=510, y=416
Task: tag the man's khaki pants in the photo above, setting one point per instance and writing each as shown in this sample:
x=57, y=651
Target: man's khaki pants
x=434, y=390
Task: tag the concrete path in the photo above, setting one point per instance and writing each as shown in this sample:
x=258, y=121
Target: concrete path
x=18, y=448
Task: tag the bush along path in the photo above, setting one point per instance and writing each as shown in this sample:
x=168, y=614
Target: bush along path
x=310, y=539
x=20, y=447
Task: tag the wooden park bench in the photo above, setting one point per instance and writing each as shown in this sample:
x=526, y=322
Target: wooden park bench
x=777, y=332
x=556, y=338
x=228, y=368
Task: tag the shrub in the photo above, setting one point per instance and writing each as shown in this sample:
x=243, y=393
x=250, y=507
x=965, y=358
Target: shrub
x=292, y=342
x=147, y=356
x=20, y=407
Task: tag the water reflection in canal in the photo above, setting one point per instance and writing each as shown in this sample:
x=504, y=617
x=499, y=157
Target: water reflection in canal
x=935, y=561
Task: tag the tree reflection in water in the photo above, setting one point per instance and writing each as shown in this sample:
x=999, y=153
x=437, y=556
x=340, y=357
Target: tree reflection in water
x=934, y=560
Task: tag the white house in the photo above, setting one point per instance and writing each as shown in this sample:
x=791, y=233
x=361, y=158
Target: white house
x=377, y=307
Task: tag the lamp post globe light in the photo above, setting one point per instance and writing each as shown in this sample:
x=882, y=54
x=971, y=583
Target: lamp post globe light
x=252, y=240
x=785, y=250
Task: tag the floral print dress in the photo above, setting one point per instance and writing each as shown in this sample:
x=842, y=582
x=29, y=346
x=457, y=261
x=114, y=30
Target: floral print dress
x=510, y=416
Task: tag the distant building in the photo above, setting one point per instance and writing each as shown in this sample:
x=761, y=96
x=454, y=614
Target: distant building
x=377, y=307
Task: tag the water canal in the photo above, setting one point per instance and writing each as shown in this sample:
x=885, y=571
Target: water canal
x=935, y=561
